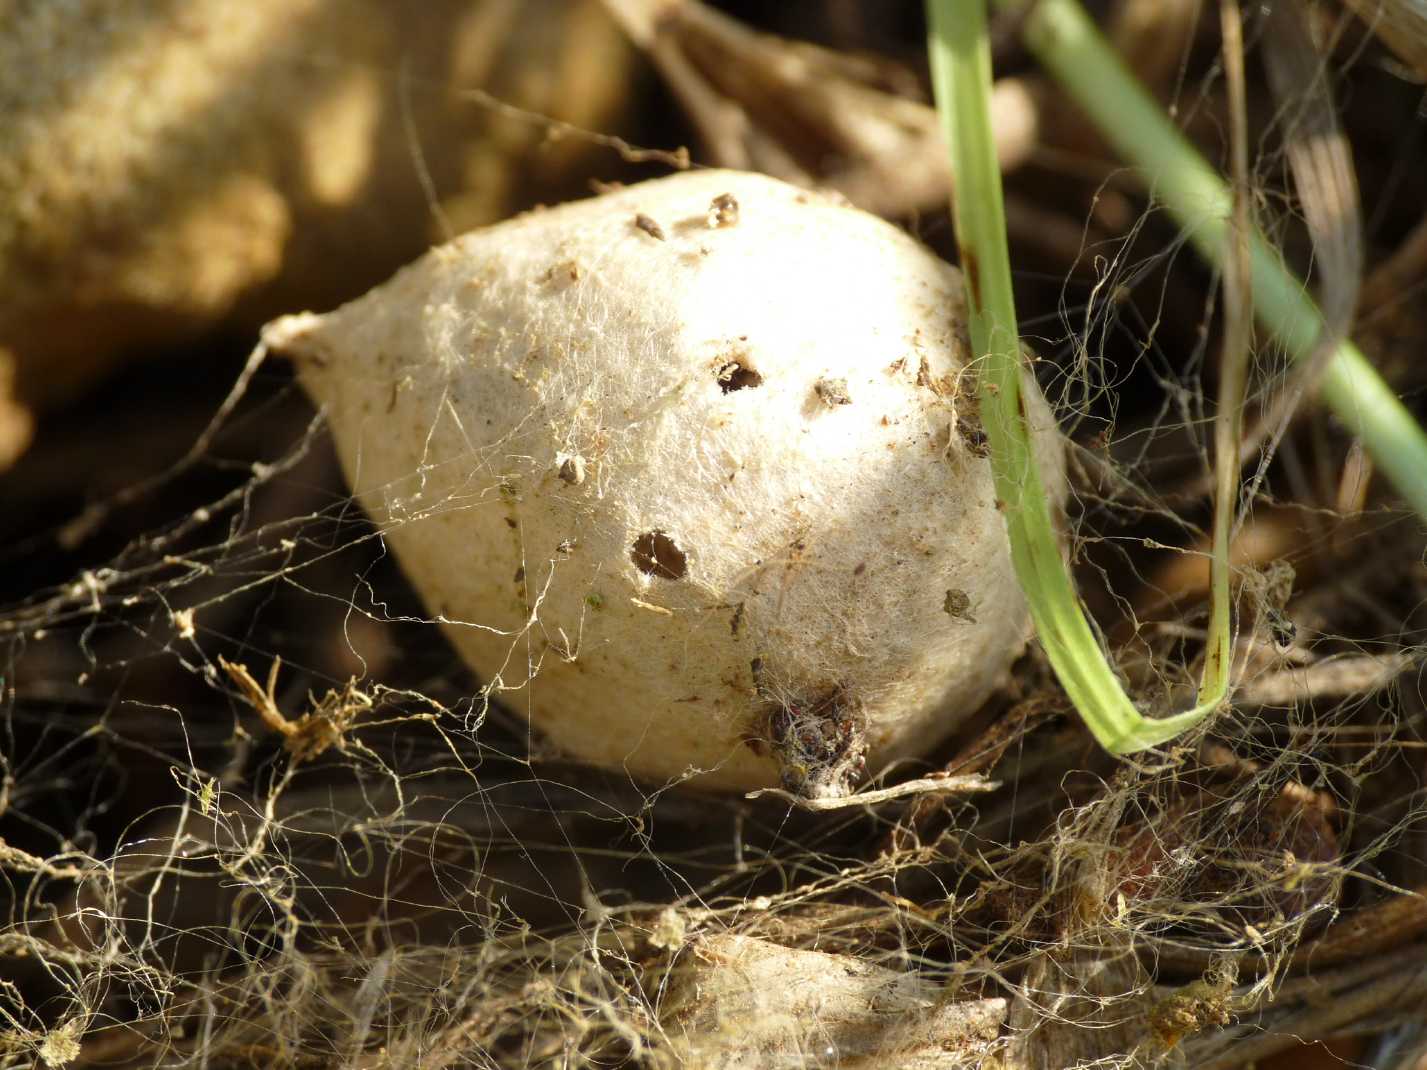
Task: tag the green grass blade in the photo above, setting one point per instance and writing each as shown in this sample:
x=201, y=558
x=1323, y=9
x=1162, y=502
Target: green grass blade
x=961, y=76
x=1067, y=43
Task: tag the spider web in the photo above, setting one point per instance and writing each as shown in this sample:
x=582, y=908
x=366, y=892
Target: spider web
x=254, y=810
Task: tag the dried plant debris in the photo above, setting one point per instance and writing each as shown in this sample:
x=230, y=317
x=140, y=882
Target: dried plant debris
x=810, y=115
x=307, y=737
x=723, y=211
x=832, y=392
x=376, y=857
x=649, y=226
x=734, y=1002
x=1402, y=26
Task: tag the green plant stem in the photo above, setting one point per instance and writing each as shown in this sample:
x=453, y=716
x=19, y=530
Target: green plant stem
x=1067, y=43
x=961, y=76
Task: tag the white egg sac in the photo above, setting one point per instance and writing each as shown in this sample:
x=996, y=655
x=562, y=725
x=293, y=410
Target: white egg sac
x=691, y=473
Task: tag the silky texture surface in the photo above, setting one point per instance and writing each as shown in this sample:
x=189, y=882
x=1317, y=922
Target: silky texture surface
x=695, y=487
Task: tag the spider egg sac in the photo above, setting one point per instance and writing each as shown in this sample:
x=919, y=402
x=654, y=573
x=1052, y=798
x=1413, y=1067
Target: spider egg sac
x=689, y=473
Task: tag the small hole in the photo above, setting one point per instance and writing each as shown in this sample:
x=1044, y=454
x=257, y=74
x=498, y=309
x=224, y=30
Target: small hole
x=655, y=554
x=735, y=376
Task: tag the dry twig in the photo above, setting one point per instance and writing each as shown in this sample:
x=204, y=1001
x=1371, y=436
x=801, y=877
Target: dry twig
x=314, y=732
x=810, y=115
x=938, y=785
